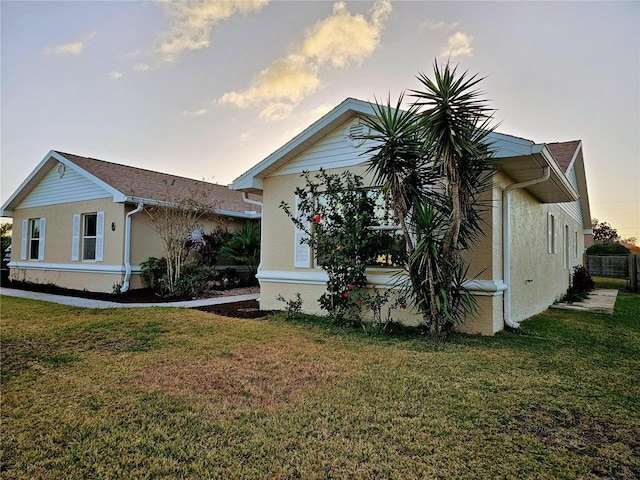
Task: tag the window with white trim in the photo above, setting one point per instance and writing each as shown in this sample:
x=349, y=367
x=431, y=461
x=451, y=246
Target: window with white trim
x=88, y=237
x=388, y=248
x=391, y=249
x=35, y=239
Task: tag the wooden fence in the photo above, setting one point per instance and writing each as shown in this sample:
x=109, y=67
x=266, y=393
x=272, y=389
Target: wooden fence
x=615, y=266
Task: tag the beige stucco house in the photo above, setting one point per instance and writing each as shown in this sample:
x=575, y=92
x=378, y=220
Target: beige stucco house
x=534, y=235
x=80, y=223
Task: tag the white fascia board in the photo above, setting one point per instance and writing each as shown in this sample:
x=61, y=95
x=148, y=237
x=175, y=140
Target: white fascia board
x=252, y=178
x=219, y=211
x=118, y=196
x=234, y=214
x=24, y=184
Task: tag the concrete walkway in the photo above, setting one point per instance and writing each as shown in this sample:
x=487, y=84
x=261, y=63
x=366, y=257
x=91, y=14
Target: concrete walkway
x=600, y=301
x=88, y=303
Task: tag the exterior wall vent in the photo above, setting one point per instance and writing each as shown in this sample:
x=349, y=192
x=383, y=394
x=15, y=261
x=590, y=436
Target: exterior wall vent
x=355, y=132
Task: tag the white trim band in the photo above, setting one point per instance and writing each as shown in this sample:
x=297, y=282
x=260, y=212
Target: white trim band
x=483, y=288
x=78, y=268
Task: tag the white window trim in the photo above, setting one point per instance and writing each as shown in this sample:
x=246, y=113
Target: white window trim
x=25, y=244
x=78, y=221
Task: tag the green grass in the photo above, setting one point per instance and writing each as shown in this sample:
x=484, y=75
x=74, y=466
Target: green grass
x=171, y=393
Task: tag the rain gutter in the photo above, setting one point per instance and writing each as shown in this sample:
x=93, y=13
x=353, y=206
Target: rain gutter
x=127, y=247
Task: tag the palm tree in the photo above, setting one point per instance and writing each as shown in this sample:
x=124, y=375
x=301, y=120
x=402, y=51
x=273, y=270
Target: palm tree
x=441, y=139
x=244, y=247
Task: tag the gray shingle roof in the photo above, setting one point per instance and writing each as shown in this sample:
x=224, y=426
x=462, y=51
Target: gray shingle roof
x=151, y=185
x=563, y=153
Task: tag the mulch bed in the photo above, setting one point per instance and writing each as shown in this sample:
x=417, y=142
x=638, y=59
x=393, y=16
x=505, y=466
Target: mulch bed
x=243, y=309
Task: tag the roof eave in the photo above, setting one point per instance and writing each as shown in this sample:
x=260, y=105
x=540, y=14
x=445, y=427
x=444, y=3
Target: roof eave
x=251, y=180
x=521, y=168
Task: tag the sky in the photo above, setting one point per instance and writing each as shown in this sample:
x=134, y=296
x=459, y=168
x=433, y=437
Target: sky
x=208, y=89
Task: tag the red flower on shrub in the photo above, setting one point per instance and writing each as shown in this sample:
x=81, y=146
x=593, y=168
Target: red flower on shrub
x=318, y=218
x=359, y=302
x=345, y=294
x=350, y=287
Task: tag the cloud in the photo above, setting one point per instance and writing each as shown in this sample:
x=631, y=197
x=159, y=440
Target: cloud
x=197, y=113
x=74, y=48
x=282, y=86
x=142, y=67
x=115, y=75
x=245, y=136
x=192, y=23
x=334, y=42
x=440, y=25
x=459, y=45
x=343, y=37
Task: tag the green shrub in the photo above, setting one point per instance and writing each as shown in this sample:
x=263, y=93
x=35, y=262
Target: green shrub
x=195, y=280
x=607, y=249
x=152, y=272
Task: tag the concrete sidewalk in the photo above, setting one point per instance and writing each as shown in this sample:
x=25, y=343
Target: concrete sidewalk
x=88, y=303
x=600, y=300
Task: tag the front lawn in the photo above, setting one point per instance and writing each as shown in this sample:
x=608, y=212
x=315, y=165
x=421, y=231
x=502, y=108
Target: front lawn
x=172, y=393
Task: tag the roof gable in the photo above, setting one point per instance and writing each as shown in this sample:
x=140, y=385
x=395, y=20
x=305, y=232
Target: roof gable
x=63, y=185
x=521, y=159
x=124, y=184
x=565, y=153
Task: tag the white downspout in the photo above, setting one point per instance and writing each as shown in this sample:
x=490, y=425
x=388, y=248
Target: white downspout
x=506, y=240
x=127, y=247
x=259, y=204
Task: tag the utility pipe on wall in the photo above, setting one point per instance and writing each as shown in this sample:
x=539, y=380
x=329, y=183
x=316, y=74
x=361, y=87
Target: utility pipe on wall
x=259, y=204
x=506, y=240
x=127, y=247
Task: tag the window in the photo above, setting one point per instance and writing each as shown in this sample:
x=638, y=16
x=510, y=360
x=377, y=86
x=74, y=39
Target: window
x=385, y=247
x=32, y=246
x=390, y=249
x=89, y=236
x=575, y=244
x=551, y=234
x=566, y=251
x=34, y=238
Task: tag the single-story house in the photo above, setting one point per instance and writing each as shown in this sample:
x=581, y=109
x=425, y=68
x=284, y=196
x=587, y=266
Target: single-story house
x=80, y=223
x=534, y=235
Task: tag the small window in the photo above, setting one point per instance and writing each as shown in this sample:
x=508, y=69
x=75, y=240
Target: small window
x=34, y=238
x=551, y=234
x=89, y=236
x=575, y=244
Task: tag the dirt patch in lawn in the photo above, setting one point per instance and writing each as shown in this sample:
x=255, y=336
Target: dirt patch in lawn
x=272, y=374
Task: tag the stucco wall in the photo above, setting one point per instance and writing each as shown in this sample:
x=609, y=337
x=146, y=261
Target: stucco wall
x=278, y=258
x=538, y=278
x=100, y=276
x=57, y=266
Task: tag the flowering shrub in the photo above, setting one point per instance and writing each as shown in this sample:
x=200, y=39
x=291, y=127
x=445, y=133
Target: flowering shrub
x=292, y=306
x=336, y=213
